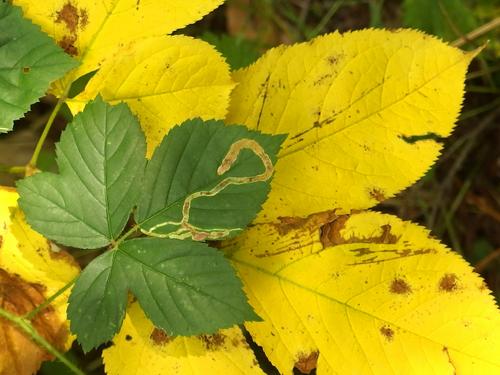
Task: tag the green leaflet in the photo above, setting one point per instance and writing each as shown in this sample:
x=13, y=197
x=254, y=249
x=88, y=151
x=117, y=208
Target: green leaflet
x=29, y=62
x=206, y=181
x=101, y=157
x=98, y=301
x=184, y=287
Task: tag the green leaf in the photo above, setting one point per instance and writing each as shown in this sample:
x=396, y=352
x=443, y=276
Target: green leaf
x=238, y=51
x=98, y=301
x=184, y=287
x=448, y=19
x=29, y=62
x=101, y=158
x=186, y=194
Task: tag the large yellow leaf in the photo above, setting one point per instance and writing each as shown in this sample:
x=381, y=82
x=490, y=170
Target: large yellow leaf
x=140, y=348
x=350, y=104
x=165, y=81
x=366, y=294
x=30, y=272
x=91, y=29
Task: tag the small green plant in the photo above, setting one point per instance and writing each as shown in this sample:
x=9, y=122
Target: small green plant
x=215, y=201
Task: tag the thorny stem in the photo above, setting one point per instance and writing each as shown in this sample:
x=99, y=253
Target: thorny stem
x=26, y=326
x=33, y=313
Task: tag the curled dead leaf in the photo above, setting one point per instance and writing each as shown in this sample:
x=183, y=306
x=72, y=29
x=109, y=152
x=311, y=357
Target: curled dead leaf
x=19, y=355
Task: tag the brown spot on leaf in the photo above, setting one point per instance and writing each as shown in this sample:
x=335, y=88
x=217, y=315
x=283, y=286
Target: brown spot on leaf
x=213, y=342
x=67, y=43
x=377, y=194
x=26, y=69
x=307, y=362
x=448, y=282
x=69, y=16
x=128, y=338
x=312, y=222
x=387, y=332
x=330, y=234
x=400, y=286
x=1, y=241
x=159, y=337
x=18, y=353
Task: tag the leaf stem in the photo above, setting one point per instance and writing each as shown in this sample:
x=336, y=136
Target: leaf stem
x=33, y=313
x=125, y=236
x=45, y=133
x=26, y=326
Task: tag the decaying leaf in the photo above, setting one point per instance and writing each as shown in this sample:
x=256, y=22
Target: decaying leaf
x=366, y=294
x=140, y=348
x=164, y=79
x=29, y=273
x=362, y=110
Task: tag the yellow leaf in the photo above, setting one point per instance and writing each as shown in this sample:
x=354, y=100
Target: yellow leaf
x=366, y=294
x=91, y=30
x=165, y=81
x=351, y=104
x=140, y=348
x=30, y=272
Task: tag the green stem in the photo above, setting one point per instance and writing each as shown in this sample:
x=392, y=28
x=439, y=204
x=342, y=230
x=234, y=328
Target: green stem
x=45, y=133
x=125, y=236
x=33, y=313
x=26, y=326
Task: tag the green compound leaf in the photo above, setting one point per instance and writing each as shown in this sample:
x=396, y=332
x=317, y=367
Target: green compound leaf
x=29, y=62
x=206, y=181
x=184, y=287
x=101, y=158
x=98, y=301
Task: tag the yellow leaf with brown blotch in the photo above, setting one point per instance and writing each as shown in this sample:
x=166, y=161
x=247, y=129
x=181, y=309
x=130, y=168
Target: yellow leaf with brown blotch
x=364, y=112
x=140, y=348
x=164, y=79
x=30, y=272
x=365, y=293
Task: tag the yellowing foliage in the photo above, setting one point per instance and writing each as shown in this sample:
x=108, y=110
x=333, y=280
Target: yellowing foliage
x=140, y=349
x=350, y=104
x=164, y=79
x=30, y=272
x=91, y=30
x=366, y=294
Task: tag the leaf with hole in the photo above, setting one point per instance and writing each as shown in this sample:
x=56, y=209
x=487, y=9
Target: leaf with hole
x=349, y=103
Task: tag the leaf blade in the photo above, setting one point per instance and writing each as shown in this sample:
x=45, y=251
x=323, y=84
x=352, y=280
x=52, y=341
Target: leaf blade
x=98, y=301
x=186, y=166
x=366, y=293
x=349, y=103
x=176, y=281
x=101, y=161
